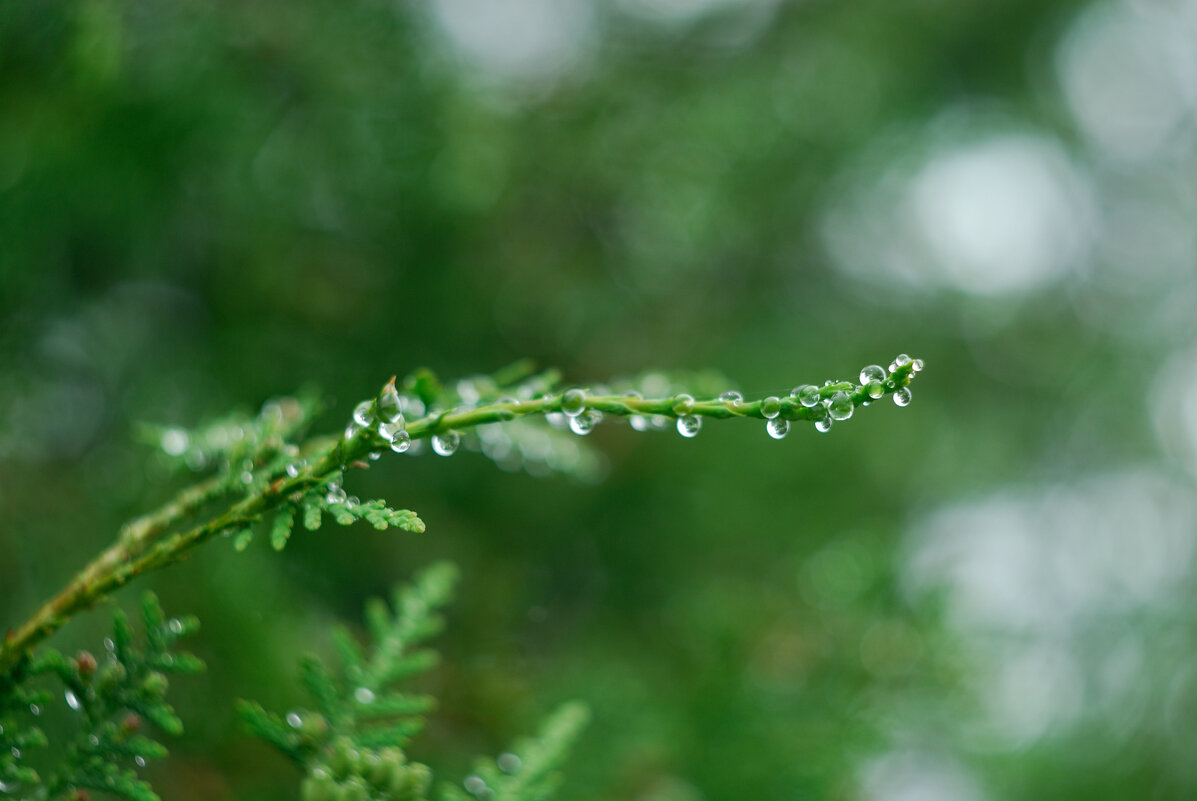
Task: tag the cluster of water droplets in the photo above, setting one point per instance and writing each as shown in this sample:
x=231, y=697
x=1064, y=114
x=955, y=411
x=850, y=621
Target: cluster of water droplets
x=387, y=415
x=831, y=405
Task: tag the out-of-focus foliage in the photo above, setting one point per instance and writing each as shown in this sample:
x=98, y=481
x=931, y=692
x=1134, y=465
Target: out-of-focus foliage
x=987, y=596
x=100, y=747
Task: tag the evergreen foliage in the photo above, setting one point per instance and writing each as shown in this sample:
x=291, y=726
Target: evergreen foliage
x=352, y=743
x=109, y=698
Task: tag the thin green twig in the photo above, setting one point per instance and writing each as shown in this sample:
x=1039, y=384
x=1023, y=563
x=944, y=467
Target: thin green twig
x=148, y=544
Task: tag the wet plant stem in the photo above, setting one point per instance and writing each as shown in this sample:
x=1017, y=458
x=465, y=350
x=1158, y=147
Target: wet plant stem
x=147, y=543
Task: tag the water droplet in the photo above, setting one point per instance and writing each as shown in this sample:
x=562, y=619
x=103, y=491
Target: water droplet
x=351, y=430
x=901, y=360
x=445, y=443
x=247, y=477
x=874, y=372
x=683, y=404
x=582, y=424
x=639, y=422
x=362, y=414
x=823, y=422
x=509, y=763
x=475, y=785
x=659, y=422
x=917, y=365
x=16, y=752
x=401, y=441
x=733, y=397
x=93, y=739
x=374, y=456
x=140, y=760
x=35, y=710
x=389, y=407
x=388, y=430
x=770, y=407
x=556, y=419
x=573, y=402
x=72, y=700
x=778, y=427
x=294, y=720
x=840, y=406
x=807, y=395
x=174, y=441
x=364, y=695
x=175, y=625
x=293, y=470
x=109, y=645
x=352, y=501
x=335, y=494
x=902, y=396
x=689, y=425
x=875, y=389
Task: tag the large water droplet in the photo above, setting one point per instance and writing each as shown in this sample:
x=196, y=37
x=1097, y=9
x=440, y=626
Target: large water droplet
x=902, y=396
x=446, y=443
x=401, y=442
x=689, y=425
x=770, y=407
x=388, y=430
x=875, y=389
x=733, y=397
x=335, y=494
x=823, y=422
x=778, y=427
x=901, y=360
x=874, y=372
x=363, y=695
x=582, y=424
x=362, y=415
x=389, y=406
x=808, y=395
x=72, y=700
x=917, y=365
x=683, y=404
x=573, y=402
x=175, y=625
x=294, y=720
x=840, y=406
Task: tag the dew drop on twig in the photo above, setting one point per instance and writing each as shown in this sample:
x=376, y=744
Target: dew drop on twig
x=446, y=443
x=689, y=425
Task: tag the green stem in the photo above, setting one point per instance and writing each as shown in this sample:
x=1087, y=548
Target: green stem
x=145, y=544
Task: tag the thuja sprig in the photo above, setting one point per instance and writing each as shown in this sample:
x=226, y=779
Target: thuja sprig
x=278, y=477
x=350, y=743
x=109, y=699
x=527, y=770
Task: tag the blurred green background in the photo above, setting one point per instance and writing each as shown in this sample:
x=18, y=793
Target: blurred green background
x=987, y=595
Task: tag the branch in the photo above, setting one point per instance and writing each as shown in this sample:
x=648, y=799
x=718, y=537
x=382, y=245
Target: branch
x=147, y=543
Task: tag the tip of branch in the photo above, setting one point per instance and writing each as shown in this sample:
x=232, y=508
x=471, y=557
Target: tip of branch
x=390, y=384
